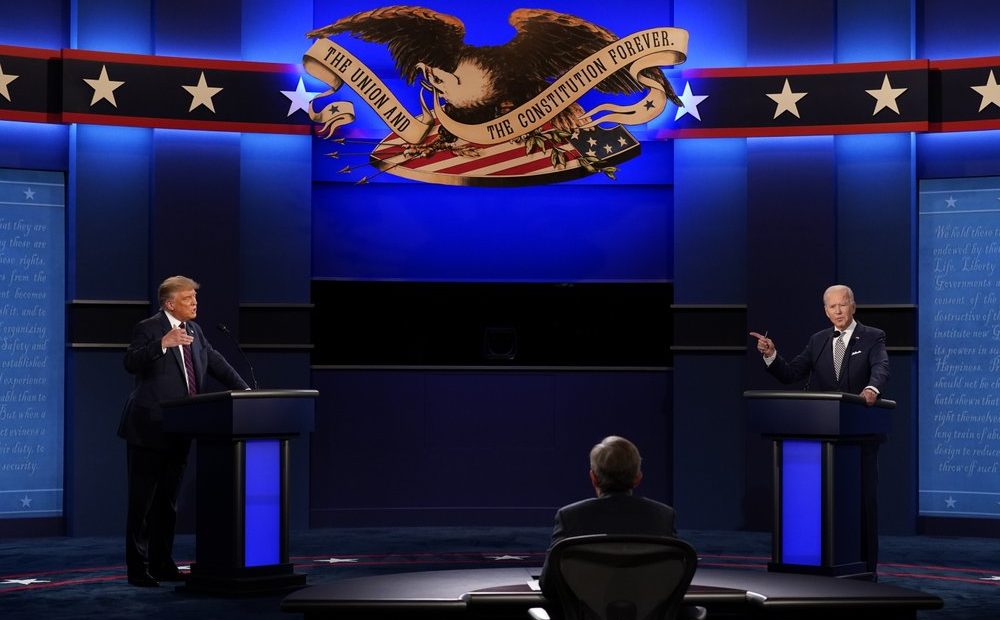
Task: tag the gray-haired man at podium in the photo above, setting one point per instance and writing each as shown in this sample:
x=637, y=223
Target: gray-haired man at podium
x=850, y=358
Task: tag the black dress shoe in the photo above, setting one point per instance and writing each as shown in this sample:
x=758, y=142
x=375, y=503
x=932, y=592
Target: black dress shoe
x=143, y=580
x=167, y=573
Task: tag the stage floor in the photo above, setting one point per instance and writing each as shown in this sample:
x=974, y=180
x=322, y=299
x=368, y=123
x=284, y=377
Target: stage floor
x=497, y=593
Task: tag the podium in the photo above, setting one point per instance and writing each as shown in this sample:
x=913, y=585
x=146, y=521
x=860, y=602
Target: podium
x=241, y=520
x=825, y=447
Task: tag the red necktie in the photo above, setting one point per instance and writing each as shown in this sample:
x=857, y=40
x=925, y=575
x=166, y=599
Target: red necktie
x=189, y=367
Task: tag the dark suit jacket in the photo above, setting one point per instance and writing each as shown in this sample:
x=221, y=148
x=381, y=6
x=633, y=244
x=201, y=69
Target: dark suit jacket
x=865, y=363
x=159, y=376
x=612, y=513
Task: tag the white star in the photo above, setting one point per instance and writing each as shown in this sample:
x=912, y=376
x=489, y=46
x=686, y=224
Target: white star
x=950, y=502
x=591, y=141
x=622, y=141
x=299, y=97
x=202, y=94
x=786, y=100
x=886, y=96
x=26, y=582
x=25, y=502
x=691, y=102
x=104, y=88
x=591, y=153
x=950, y=202
x=4, y=81
x=608, y=148
x=990, y=92
x=337, y=560
x=507, y=557
x=29, y=194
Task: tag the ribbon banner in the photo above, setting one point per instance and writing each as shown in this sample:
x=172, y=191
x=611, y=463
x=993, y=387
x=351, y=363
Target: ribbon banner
x=654, y=47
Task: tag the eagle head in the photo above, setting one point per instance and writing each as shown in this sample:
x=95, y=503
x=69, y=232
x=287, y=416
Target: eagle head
x=471, y=85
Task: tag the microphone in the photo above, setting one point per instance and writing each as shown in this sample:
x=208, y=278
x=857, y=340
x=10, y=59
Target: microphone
x=836, y=334
x=225, y=329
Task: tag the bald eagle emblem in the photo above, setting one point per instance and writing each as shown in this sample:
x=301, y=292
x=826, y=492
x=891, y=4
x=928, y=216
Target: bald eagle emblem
x=497, y=115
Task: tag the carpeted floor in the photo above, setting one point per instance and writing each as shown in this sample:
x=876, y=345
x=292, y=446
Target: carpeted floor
x=64, y=578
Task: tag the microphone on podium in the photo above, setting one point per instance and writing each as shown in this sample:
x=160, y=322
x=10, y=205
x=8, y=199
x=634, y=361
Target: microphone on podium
x=225, y=329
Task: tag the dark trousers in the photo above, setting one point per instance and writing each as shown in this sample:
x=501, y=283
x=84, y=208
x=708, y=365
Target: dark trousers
x=154, y=481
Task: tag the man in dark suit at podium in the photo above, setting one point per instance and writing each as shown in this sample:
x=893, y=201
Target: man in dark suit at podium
x=615, y=470
x=849, y=358
x=170, y=359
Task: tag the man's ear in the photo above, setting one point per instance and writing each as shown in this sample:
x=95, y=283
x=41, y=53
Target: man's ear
x=638, y=479
x=594, y=482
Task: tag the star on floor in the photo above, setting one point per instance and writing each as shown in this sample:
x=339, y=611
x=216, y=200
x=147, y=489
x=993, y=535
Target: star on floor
x=25, y=502
x=502, y=558
x=29, y=194
x=337, y=560
x=886, y=96
x=299, y=97
x=950, y=202
x=202, y=93
x=690, y=101
x=5, y=80
x=787, y=100
x=950, y=502
x=104, y=87
x=990, y=92
x=25, y=582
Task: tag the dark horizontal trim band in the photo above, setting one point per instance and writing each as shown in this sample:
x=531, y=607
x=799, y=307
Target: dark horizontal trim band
x=389, y=367
x=107, y=302
x=270, y=305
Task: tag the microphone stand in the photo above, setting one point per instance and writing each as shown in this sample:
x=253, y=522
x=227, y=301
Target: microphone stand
x=225, y=329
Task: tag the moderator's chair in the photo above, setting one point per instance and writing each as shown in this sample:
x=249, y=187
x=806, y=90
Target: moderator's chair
x=619, y=577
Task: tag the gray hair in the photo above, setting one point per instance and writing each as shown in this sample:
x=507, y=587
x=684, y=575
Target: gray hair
x=616, y=464
x=838, y=288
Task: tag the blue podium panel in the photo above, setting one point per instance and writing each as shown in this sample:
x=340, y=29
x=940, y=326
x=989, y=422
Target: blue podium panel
x=262, y=503
x=801, y=502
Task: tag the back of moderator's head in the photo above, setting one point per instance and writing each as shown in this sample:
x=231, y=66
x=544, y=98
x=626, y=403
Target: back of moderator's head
x=616, y=463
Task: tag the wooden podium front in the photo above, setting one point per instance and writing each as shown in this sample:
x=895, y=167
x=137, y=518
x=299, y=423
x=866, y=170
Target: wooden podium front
x=241, y=530
x=824, y=459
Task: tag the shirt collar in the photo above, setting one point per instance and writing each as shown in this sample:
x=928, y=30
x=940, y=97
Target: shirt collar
x=850, y=330
x=173, y=320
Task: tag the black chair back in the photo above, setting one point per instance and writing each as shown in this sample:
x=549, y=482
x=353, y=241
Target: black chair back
x=619, y=577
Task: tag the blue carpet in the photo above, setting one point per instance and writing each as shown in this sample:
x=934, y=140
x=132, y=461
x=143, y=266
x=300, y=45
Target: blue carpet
x=69, y=578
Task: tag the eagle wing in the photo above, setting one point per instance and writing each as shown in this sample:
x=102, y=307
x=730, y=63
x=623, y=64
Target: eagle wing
x=548, y=44
x=413, y=35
